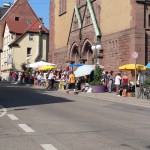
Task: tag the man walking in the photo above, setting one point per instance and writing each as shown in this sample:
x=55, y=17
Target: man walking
x=71, y=83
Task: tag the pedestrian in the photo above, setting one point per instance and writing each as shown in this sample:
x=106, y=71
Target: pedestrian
x=125, y=80
x=110, y=81
x=51, y=80
x=71, y=83
x=118, y=83
x=39, y=78
x=13, y=76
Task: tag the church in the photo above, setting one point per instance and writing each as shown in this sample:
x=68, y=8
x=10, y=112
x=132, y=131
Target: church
x=120, y=28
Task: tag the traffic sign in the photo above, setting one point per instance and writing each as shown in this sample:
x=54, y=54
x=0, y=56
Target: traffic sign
x=135, y=55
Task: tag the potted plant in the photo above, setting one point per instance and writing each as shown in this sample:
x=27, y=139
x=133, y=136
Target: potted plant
x=97, y=84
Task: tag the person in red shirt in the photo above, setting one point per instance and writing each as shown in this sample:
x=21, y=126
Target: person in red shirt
x=125, y=79
x=13, y=76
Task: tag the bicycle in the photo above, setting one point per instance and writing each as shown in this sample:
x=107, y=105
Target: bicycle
x=144, y=92
x=147, y=93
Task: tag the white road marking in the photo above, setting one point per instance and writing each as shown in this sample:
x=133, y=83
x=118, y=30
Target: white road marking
x=3, y=111
x=12, y=117
x=48, y=147
x=26, y=128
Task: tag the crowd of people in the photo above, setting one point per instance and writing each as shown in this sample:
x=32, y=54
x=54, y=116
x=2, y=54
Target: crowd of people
x=119, y=83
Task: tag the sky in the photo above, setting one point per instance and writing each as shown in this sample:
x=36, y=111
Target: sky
x=40, y=7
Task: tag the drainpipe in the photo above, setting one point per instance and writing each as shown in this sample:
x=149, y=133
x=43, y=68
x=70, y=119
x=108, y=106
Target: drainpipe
x=39, y=56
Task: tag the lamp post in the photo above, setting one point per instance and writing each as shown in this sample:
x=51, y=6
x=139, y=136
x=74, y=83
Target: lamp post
x=96, y=48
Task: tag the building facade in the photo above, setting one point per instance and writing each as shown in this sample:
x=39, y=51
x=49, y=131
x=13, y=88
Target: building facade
x=24, y=38
x=121, y=27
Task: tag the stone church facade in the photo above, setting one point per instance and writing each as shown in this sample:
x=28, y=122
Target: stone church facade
x=121, y=27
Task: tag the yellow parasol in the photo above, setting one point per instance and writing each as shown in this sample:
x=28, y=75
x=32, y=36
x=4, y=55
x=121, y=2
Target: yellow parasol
x=47, y=68
x=132, y=67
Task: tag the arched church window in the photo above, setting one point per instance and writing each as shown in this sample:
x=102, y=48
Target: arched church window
x=81, y=2
x=62, y=7
x=88, y=17
x=75, y=23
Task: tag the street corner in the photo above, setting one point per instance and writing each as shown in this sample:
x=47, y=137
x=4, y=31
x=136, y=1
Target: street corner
x=3, y=111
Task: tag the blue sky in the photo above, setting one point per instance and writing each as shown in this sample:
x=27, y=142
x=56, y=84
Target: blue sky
x=40, y=7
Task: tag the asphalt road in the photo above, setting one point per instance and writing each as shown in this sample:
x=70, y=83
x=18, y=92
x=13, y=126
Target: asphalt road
x=49, y=120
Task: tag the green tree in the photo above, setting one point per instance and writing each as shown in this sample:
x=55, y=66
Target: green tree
x=97, y=81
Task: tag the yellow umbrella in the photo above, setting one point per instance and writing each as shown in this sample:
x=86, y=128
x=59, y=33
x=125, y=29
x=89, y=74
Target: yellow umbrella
x=132, y=67
x=46, y=68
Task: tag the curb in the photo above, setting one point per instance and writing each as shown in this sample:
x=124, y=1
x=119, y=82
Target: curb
x=111, y=97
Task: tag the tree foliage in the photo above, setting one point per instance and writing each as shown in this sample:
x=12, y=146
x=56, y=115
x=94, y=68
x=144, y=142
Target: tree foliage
x=97, y=81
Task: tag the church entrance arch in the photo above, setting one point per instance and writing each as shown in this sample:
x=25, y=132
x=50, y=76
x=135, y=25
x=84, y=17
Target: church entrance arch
x=87, y=53
x=74, y=53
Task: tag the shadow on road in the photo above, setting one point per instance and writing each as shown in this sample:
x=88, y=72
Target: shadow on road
x=15, y=96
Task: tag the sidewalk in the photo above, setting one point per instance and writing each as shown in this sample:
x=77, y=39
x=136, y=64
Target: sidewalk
x=111, y=97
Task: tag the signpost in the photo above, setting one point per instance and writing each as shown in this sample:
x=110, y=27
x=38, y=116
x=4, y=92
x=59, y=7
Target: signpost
x=135, y=56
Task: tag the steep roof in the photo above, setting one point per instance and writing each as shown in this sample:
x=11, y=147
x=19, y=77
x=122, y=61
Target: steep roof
x=17, y=6
x=17, y=27
x=33, y=28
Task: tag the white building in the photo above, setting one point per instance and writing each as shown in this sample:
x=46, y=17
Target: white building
x=22, y=43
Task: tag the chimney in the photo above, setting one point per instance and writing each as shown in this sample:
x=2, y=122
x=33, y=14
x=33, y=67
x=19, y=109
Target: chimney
x=41, y=19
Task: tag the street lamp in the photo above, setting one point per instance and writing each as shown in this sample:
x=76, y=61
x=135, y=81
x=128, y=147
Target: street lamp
x=96, y=48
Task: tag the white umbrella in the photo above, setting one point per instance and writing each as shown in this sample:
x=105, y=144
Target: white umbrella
x=84, y=70
x=40, y=64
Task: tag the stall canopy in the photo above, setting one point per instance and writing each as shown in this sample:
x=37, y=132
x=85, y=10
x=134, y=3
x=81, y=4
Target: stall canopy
x=75, y=65
x=132, y=67
x=148, y=66
x=84, y=70
x=40, y=64
x=46, y=68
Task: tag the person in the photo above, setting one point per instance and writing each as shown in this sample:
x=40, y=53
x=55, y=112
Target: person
x=14, y=76
x=71, y=83
x=110, y=82
x=51, y=79
x=124, y=92
x=125, y=80
x=39, y=78
x=118, y=83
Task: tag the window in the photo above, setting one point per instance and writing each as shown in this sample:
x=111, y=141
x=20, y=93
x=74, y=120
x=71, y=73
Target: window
x=81, y=2
x=16, y=18
x=28, y=22
x=62, y=7
x=88, y=17
x=31, y=36
x=12, y=36
x=29, y=51
x=75, y=23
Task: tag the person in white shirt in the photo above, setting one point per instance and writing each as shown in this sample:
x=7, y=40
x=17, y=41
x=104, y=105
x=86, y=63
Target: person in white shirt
x=51, y=79
x=39, y=78
x=118, y=83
